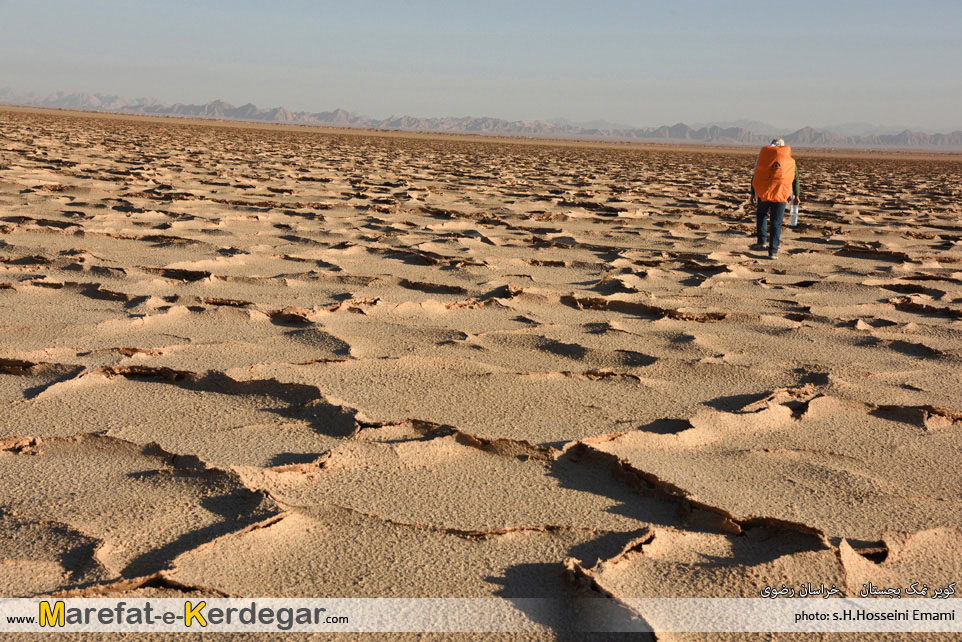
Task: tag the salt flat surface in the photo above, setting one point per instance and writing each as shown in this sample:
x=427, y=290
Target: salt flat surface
x=260, y=361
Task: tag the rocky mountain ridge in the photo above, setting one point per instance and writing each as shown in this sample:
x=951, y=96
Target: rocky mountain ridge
x=680, y=132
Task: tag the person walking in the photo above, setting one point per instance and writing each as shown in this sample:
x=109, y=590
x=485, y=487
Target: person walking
x=774, y=180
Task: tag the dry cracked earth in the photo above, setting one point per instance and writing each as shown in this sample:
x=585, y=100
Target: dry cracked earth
x=252, y=361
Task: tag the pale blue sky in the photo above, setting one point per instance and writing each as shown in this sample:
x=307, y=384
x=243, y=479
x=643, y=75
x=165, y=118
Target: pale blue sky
x=641, y=63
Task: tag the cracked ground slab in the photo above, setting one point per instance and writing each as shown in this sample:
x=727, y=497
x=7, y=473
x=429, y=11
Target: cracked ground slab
x=324, y=364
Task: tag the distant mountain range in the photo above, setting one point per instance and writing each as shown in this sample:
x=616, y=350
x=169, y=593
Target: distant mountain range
x=734, y=133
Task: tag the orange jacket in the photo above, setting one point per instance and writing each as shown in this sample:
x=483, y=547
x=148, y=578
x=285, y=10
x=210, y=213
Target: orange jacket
x=774, y=174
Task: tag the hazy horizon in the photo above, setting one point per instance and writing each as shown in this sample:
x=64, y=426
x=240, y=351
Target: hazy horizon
x=879, y=63
x=847, y=129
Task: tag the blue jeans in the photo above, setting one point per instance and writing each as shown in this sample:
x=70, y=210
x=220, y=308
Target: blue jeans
x=768, y=223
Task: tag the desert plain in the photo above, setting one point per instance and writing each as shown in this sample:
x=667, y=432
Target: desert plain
x=242, y=360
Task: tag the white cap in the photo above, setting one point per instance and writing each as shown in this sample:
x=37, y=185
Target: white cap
x=777, y=142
